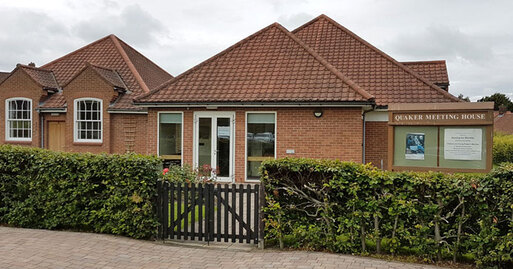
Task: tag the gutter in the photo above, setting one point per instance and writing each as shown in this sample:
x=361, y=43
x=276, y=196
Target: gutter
x=256, y=104
x=50, y=110
x=126, y=112
x=364, y=129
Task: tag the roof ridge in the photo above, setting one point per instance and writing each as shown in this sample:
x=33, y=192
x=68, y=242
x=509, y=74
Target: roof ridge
x=78, y=50
x=106, y=69
x=329, y=66
x=424, y=62
x=23, y=67
x=208, y=60
x=129, y=63
x=33, y=68
x=132, y=48
x=380, y=52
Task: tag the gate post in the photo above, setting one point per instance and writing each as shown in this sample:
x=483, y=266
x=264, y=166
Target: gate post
x=261, y=233
x=158, y=207
x=211, y=212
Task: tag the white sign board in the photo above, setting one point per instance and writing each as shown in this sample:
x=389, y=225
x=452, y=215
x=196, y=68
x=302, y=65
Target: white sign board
x=463, y=144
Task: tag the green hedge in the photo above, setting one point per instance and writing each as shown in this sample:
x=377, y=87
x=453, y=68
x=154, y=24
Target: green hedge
x=86, y=192
x=502, y=148
x=353, y=208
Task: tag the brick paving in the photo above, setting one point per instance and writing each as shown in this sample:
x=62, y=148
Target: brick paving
x=28, y=248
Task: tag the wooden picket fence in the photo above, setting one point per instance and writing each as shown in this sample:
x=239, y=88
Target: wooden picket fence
x=210, y=212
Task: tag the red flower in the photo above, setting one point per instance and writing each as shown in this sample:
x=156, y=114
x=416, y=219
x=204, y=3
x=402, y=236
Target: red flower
x=164, y=172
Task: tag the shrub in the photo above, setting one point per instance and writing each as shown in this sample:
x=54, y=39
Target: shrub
x=185, y=174
x=502, y=148
x=99, y=193
x=180, y=174
x=353, y=208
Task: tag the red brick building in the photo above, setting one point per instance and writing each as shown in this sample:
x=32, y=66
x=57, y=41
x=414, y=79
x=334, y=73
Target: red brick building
x=319, y=91
x=80, y=102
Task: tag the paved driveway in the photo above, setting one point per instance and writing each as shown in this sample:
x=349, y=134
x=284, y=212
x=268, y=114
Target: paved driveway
x=27, y=248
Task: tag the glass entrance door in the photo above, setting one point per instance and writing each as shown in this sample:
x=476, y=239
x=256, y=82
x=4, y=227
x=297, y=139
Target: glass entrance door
x=214, y=144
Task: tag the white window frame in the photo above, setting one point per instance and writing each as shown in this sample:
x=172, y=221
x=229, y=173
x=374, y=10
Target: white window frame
x=158, y=131
x=7, y=129
x=75, y=125
x=246, y=140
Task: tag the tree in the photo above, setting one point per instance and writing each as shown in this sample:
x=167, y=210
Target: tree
x=498, y=99
x=464, y=98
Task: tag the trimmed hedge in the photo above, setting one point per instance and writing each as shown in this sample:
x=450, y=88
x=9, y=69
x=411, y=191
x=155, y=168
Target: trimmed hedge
x=86, y=192
x=502, y=148
x=353, y=208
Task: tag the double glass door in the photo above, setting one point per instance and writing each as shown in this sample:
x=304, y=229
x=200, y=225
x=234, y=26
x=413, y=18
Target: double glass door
x=214, y=144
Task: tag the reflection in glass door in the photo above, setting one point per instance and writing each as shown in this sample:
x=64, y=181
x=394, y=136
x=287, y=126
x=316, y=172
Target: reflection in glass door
x=223, y=147
x=205, y=144
x=214, y=144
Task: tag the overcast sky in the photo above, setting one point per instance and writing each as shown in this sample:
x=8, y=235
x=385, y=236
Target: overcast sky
x=475, y=37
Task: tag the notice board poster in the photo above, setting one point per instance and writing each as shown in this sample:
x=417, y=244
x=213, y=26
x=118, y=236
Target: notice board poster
x=415, y=146
x=463, y=144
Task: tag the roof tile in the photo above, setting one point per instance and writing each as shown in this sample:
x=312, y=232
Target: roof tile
x=376, y=72
x=56, y=100
x=4, y=75
x=43, y=77
x=112, y=53
x=271, y=65
x=433, y=71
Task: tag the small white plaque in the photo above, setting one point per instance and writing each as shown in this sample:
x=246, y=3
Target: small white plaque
x=463, y=144
x=290, y=151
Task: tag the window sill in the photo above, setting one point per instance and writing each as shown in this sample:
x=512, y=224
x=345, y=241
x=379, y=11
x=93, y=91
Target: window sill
x=75, y=143
x=14, y=142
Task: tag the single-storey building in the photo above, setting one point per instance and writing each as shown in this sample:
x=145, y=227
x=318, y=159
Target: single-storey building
x=319, y=91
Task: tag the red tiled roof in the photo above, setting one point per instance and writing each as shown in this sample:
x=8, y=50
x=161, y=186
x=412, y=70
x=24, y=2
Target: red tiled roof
x=503, y=123
x=4, y=75
x=111, y=76
x=45, y=78
x=108, y=75
x=376, y=72
x=137, y=72
x=152, y=74
x=56, y=100
x=434, y=71
x=271, y=65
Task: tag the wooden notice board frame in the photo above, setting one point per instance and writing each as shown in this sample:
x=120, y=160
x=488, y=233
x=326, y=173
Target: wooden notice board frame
x=441, y=115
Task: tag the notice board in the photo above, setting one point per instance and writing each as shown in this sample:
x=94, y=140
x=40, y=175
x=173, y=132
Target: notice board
x=441, y=137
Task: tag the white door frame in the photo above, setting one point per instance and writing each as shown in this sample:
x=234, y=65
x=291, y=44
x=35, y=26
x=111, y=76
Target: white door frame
x=213, y=115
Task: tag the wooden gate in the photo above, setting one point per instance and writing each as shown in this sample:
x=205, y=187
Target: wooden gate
x=209, y=212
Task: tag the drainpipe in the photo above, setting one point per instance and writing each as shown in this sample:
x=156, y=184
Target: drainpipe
x=364, y=129
x=42, y=123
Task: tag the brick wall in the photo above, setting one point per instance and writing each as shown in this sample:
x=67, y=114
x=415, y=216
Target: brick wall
x=336, y=135
x=19, y=84
x=376, y=143
x=88, y=84
x=128, y=133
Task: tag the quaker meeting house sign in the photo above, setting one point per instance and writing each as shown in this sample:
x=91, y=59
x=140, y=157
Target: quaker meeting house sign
x=448, y=137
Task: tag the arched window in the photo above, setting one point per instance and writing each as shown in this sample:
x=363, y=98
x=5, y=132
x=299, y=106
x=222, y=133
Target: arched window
x=18, y=119
x=88, y=120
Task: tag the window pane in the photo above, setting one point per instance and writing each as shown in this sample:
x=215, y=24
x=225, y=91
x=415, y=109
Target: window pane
x=88, y=124
x=223, y=147
x=261, y=118
x=19, y=119
x=170, y=138
x=205, y=143
x=260, y=141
